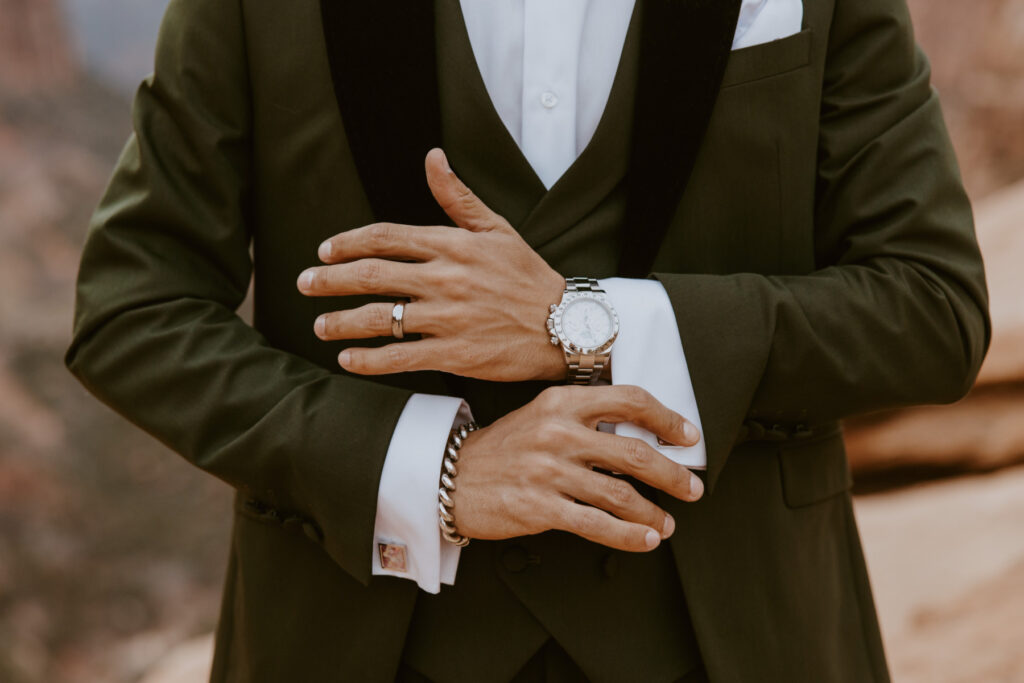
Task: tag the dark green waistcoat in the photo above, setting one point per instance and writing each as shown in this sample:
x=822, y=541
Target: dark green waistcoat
x=596, y=603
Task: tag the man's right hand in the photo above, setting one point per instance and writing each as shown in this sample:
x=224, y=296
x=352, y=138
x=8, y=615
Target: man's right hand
x=525, y=473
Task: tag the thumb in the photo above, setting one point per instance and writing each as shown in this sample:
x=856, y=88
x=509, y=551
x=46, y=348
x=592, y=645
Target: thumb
x=457, y=200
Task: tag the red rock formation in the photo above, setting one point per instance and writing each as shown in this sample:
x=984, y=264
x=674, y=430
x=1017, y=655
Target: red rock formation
x=35, y=53
x=985, y=430
x=977, y=54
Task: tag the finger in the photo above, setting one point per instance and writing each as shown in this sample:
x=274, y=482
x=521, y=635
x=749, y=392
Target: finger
x=616, y=496
x=600, y=527
x=374, y=320
x=624, y=403
x=637, y=459
x=388, y=240
x=458, y=201
x=365, y=276
x=392, y=358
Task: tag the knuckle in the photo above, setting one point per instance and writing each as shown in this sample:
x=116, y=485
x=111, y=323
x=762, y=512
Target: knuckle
x=444, y=319
x=635, y=398
x=546, y=469
x=368, y=274
x=620, y=493
x=637, y=454
x=380, y=235
x=553, y=396
x=467, y=200
x=463, y=240
x=464, y=247
x=397, y=356
x=446, y=279
x=565, y=400
x=550, y=431
x=587, y=523
x=378, y=319
x=577, y=395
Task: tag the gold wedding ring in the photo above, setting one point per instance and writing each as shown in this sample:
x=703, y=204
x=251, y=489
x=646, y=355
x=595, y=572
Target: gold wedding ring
x=397, y=314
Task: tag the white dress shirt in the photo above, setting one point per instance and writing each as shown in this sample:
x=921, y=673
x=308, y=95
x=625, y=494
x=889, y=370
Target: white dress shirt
x=548, y=68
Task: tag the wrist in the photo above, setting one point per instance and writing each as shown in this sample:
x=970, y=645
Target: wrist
x=553, y=367
x=551, y=362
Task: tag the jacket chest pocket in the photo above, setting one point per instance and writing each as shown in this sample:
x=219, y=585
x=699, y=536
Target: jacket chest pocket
x=768, y=59
x=749, y=204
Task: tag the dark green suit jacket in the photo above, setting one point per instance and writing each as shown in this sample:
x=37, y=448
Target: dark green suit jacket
x=821, y=262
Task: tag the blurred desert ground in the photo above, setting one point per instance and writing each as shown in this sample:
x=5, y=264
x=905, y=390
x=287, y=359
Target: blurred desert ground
x=112, y=549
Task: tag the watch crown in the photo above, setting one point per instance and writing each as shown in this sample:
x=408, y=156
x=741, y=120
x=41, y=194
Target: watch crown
x=552, y=308
x=551, y=324
x=554, y=340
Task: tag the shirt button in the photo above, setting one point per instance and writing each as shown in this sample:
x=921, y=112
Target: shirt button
x=549, y=99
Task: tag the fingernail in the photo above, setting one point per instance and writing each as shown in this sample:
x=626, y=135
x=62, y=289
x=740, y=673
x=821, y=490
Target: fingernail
x=444, y=159
x=324, y=250
x=344, y=357
x=670, y=526
x=696, y=487
x=651, y=540
x=320, y=327
x=691, y=433
x=306, y=279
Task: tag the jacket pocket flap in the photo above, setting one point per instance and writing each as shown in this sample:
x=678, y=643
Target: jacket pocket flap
x=768, y=59
x=814, y=470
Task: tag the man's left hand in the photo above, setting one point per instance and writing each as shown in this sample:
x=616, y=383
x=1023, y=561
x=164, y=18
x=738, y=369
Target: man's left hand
x=479, y=294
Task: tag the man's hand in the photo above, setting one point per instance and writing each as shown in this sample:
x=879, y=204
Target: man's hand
x=524, y=473
x=480, y=294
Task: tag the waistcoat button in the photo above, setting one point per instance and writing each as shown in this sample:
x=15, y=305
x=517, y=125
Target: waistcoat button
x=515, y=558
x=313, y=532
x=610, y=565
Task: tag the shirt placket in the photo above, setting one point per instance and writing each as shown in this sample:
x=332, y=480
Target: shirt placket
x=551, y=48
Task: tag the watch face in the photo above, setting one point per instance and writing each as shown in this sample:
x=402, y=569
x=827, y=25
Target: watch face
x=587, y=323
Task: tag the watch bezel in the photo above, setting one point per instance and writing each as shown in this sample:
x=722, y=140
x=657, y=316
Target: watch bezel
x=556, y=319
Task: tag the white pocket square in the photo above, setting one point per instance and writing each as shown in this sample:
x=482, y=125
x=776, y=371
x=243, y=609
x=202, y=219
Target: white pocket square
x=762, y=21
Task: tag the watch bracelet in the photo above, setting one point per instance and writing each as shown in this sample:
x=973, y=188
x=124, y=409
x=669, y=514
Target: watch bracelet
x=575, y=374
x=449, y=471
x=582, y=284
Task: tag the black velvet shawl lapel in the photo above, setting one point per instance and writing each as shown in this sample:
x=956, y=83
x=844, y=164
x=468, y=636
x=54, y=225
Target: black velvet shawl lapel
x=384, y=68
x=684, y=47
x=383, y=64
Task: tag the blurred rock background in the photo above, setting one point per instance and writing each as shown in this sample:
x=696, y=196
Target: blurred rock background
x=112, y=549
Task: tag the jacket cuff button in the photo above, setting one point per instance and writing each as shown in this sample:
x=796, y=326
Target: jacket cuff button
x=313, y=532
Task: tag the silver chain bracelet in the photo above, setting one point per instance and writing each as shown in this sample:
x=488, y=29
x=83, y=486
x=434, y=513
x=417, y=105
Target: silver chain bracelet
x=445, y=504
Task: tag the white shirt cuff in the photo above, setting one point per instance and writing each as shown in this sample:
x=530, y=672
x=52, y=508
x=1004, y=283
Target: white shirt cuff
x=407, y=541
x=649, y=353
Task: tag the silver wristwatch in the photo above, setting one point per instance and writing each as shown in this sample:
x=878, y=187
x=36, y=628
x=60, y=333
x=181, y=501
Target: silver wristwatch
x=585, y=325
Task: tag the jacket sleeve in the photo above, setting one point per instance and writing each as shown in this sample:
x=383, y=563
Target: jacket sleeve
x=166, y=265
x=896, y=312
